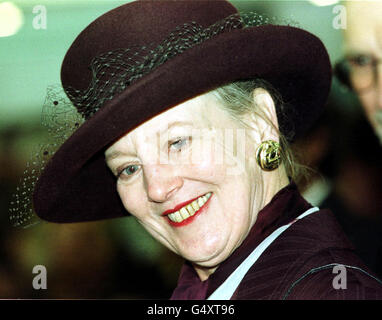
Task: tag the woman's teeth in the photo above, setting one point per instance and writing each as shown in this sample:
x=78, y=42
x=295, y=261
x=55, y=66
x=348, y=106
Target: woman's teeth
x=190, y=209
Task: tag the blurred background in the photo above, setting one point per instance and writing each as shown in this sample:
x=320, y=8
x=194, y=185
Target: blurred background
x=117, y=259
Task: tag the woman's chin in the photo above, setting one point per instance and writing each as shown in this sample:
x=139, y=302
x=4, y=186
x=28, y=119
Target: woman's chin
x=206, y=256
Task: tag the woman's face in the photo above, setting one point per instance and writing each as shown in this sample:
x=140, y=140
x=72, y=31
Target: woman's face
x=193, y=154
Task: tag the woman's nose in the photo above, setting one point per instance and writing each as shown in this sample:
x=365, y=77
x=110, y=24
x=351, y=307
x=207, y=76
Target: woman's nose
x=161, y=182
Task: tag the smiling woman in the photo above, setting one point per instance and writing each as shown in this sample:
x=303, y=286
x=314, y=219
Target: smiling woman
x=188, y=109
x=186, y=204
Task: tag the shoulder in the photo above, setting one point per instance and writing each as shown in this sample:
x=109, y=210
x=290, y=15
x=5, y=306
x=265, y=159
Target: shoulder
x=306, y=262
x=331, y=271
x=335, y=282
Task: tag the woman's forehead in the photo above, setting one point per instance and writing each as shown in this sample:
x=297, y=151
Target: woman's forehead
x=199, y=111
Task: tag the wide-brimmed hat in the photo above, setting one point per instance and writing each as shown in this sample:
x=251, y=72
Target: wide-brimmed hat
x=144, y=57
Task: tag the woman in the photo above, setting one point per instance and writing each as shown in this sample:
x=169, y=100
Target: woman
x=188, y=110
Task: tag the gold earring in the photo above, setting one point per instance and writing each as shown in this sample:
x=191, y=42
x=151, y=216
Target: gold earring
x=268, y=155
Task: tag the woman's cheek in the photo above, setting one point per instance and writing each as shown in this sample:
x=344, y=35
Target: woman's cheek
x=131, y=199
x=207, y=162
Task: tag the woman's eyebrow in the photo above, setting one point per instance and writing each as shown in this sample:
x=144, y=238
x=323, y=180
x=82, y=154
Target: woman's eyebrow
x=116, y=154
x=113, y=155
x=175, y=124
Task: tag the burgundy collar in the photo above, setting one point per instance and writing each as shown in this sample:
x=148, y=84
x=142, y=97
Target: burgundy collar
x=285, y=206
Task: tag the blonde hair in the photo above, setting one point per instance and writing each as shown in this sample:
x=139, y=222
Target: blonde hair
x=237, y=100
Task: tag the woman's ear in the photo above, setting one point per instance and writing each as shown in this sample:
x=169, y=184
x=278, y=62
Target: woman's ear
x=267, y=119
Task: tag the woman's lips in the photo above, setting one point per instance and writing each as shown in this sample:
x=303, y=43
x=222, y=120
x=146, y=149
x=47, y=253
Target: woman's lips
x=186, y=212
x=179, y=206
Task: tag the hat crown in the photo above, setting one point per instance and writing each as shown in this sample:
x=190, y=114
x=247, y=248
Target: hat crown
x=135, y=24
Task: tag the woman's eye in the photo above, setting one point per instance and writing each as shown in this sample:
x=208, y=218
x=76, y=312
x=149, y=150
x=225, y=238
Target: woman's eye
x=179, y=143
x=129, y=170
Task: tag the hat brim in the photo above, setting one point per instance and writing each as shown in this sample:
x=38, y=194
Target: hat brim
x=76, y=184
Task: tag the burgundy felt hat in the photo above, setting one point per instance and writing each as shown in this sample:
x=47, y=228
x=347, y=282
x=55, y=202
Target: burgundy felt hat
x=138, y=44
